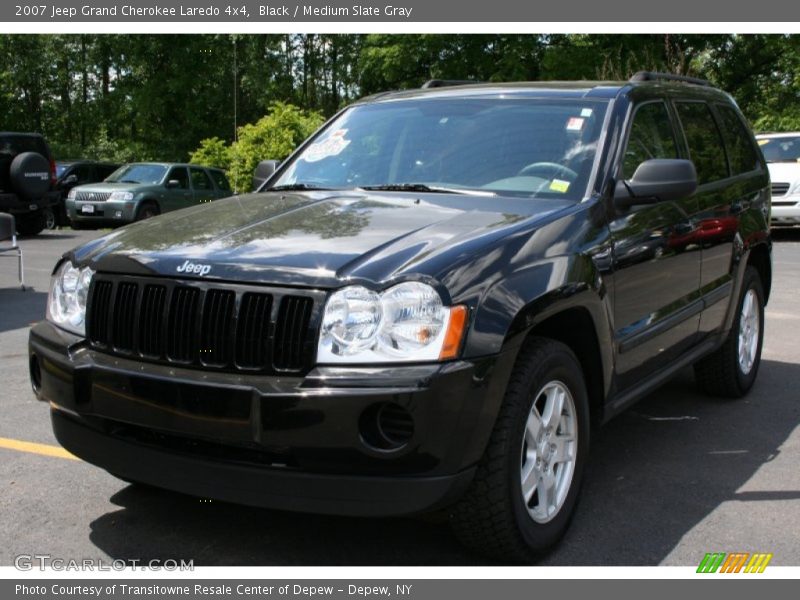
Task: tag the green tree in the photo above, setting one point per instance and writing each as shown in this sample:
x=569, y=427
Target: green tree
x=274, y=136
x=212, y=152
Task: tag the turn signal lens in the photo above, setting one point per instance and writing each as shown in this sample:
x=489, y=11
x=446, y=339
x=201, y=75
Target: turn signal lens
x=456, y=327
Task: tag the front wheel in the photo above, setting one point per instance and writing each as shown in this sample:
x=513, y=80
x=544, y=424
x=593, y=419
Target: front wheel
x=731, y=370
x=146, y=210
x=526, y=486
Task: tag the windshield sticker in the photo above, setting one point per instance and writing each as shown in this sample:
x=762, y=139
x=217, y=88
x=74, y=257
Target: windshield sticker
x=559, y=185
x=575, y=124
x=586, y=112
x=327, y=148
x=763, y=142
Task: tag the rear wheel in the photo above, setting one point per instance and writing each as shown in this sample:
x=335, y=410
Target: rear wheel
x=731, y=370
x=527, y=483
x=146, y=210
x=50, y=221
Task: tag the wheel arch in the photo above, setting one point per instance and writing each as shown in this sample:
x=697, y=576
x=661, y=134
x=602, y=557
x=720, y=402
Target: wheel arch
x=760, y=257
x=575, y=312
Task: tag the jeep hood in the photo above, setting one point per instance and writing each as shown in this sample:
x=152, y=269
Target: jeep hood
x=317, y=239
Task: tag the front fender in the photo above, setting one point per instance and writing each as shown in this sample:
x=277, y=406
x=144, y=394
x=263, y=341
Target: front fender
x=515, y=305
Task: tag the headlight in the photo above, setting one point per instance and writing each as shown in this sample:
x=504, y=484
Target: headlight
x=406, y=323
x=66, y=304
x=72, y=194
x=121, y=196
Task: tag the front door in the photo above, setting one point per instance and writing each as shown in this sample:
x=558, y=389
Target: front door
x=656, y=274
x=178, y=191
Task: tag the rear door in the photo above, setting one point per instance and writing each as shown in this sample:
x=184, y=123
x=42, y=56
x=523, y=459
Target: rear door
x=730, y=175
x=202, y=185
x=656, y=269
x=221, y=182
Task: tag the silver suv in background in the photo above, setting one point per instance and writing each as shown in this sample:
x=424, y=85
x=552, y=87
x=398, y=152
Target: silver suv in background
x=782, y=152
x=138, y=191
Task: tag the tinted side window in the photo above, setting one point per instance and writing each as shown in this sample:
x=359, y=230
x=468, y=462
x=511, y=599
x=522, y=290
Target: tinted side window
x=651, y=136
x=83, y=173
x=200, y=180
x=104, y=171
x=221, y=180
x=741, y=153
x=17, y=144
x=705, y=143
x=181, y=176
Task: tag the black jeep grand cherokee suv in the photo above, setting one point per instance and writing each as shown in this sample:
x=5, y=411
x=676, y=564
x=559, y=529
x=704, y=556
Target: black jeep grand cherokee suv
x=428, y=306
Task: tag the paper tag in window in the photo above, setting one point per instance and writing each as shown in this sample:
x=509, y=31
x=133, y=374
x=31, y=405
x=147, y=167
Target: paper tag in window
x=763, y=142
x=559, y=185
x=329, y=147
x=575, y=124
x=586, y=112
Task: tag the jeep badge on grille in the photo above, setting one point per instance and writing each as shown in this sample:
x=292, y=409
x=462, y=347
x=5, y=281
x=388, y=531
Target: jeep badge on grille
x=194, y=268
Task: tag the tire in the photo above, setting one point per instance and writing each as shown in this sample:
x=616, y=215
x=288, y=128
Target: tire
x=492, y=517
x=29, y=174
x=722, y=373
x=146, y=210
x=130, y=481
x=50, y=219
x=31, y=224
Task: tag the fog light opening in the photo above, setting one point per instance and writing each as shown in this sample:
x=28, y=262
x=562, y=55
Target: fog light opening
x=36, y=374
x=386, y=426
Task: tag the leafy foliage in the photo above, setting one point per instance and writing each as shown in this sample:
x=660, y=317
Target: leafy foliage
x=271, y=137
x=212, y=152
x=126, y=97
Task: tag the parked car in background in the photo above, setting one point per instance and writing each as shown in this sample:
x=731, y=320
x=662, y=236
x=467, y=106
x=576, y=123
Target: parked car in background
x=27, y=180
x=138, y=191
x=69, y=174
x=782, y=152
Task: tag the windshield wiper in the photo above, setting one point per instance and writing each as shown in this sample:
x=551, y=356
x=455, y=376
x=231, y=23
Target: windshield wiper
x=423, y=187
x=296, y=187
x=125, y=181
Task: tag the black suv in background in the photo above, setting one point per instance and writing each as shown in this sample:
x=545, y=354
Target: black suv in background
x=428, y=307
x=27, y=180
x=72, y=173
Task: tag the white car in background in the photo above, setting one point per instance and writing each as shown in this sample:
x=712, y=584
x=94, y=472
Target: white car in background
x=782, y=151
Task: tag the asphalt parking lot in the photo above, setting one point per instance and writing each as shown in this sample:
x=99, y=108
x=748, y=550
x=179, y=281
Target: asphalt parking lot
x=675, y=477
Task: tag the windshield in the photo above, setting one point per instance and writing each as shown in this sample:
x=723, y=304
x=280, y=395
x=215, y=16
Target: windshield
x=139, y=173
x=781, y=149
x=520, y=147
x=61, y=168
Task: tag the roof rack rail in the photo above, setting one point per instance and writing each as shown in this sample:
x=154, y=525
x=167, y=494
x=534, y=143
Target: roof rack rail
x=437, y=83
x=656, y=76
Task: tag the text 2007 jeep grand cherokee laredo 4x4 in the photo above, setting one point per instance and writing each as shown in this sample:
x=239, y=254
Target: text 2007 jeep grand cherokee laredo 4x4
x=426, y=307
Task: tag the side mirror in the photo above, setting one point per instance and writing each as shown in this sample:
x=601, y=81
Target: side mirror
x=264, y=171
x=657, y=180
x=70, y=179
x=173, y=183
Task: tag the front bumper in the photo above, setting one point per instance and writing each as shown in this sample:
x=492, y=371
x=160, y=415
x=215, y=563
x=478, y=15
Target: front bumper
x=785, y=210
x=295, y=443
x=113, y=211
